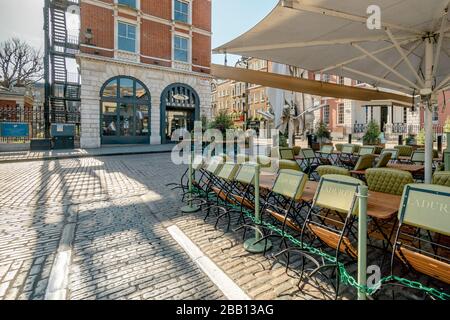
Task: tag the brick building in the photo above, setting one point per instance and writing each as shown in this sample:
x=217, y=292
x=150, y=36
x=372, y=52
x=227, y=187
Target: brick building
x=233, y=96
x=144, y=67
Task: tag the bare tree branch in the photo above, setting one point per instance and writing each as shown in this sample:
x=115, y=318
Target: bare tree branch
x=20, y=64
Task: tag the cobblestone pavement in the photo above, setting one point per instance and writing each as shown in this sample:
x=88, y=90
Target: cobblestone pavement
x=121, y=248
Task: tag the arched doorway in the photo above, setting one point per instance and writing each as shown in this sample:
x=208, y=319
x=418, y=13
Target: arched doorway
x=180, y=107
x=125, y=105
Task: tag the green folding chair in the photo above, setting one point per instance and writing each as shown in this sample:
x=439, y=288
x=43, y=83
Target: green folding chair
x=330, y=222
x=425, y=250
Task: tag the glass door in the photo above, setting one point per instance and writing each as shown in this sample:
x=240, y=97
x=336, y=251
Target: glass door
x=178, y=119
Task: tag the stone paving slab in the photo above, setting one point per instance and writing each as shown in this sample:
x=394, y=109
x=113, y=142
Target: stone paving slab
x=121, y=248
x=26, y=156
x=122, y=252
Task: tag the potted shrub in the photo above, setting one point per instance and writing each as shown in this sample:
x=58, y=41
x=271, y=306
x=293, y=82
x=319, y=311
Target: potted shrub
x=372, y=135
x=283, y=141
x=411, y=140
x=420, y=140
x=222, y=122
x=322, y=133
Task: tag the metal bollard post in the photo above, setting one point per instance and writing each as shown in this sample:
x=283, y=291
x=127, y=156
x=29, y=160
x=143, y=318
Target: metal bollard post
x=400, y=140
x=250, y=245
x=350, y=138
x=362, y=240
x=190, y=207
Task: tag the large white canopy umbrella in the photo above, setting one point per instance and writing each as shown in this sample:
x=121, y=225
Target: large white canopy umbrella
x=409, y=52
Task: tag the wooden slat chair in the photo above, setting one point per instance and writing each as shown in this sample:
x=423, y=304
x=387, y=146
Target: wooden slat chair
x=339, y=146
x=425, y=207
x=352, y=160
x=211, y=168
x=287, y=154
x=330, y=222
x=346, y=157
x=418, y=157
x=326, y=155
x=324, y=170
x=284, y=202
x=309, y=162
x=289, y=164
x=198, y=178
x=366, y=150
x=296, y=150
x=393, y=152
x=243, y=195
x=223, y=187
x=383, y=160
x=404, y=151
x=364, y=162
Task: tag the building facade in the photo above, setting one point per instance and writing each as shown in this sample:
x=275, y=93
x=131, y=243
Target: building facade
x=241, y=100
x=145, y=69
x=344, y=117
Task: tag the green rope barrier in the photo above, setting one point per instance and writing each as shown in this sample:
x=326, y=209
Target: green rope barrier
x=345, y=277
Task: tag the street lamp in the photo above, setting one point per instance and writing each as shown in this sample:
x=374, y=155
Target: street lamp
x=244, y=62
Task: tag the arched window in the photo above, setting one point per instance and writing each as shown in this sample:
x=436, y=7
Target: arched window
x=180, y=107
x=125, y=111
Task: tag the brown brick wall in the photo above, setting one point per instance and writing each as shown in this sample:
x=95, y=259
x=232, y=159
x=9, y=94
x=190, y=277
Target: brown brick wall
x=158, y=8
x=201, y=50
x=101, y=22
x=201, y=14
x=156, y=40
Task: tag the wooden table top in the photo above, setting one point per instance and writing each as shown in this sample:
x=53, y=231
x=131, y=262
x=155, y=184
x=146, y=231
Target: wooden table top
x=406, y=167
x=379, y=205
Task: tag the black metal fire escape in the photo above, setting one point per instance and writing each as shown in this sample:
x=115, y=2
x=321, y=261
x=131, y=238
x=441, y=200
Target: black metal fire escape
x=62, y=96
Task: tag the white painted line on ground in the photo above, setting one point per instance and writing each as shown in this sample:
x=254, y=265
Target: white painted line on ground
x=230, y=289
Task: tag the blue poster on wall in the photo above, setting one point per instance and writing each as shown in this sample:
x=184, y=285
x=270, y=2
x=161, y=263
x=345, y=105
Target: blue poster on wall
x=10, y=129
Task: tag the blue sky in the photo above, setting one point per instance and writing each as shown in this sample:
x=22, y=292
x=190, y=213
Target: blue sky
x=233, y=17
x=230, y=19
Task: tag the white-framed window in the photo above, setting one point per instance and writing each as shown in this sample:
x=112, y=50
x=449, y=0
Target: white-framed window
x=181, y=11
x=326, y=114
x=341, y=111
x=129, y=3
x=126, y=37
x=181, y=49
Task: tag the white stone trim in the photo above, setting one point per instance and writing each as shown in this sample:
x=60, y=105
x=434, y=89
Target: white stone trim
x=95, y=47
x=143, y=65
x=155, y=58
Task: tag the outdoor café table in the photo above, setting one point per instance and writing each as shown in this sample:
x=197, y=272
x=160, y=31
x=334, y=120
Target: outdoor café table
x=381, y=206
x=413, y=168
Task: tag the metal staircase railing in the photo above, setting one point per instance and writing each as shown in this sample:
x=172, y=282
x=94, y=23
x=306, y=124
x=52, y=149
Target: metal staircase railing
x=63, y=98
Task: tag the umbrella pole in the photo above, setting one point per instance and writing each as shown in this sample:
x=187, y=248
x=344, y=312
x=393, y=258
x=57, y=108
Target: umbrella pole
x=190, y=207
x=428, y=121
x=362, y=241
